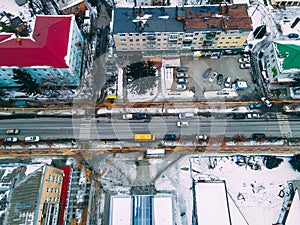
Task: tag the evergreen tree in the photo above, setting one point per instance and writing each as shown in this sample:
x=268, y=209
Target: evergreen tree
x=142, y=75
x=26, y=82
x=295, y=162
x=272, y=162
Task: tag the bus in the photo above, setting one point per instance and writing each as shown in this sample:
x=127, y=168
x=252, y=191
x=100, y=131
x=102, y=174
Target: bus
x=156, y=152
x=144, y=137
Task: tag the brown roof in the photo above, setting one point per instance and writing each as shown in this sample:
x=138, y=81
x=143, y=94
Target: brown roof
x=231, y=17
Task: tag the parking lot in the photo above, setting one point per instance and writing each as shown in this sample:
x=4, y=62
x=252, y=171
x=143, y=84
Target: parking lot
x=226, y=65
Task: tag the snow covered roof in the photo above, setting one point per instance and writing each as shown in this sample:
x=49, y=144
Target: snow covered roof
x=293, y=217
x=211, y=203
x=47, y=45
x=140, y=209
x=290, y=51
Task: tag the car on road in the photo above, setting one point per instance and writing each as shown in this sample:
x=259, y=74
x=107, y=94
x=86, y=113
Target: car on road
x=244, y=60
x=12, y=131
x=98, y=31
x=182, y=75
x=180, y=87
x=142, y=116
x=202, y=137
x=182, y=81
x=227, y=82
x=207, y=72
x=32, y=139
x=258, y=136
x=127, y=116
x=182, y=124
x=182, y=69
x=266, y=102
x=220, y=79
x=245, y=65
x=170, y=137
x=253, y=116
x=111, y=68
x=11, y=139
x=238, y=116
x=255, y=106
x=212, y=77
x=293, y=35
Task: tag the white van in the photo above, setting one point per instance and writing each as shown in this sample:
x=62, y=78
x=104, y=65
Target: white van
x=265, y=76
x=186, y=115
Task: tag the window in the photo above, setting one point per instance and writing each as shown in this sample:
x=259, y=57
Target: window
x=229, y=38
x=122, y=35
x=220, y=42
x=130, y=35
x=196, y=34
x=227, y=42
x=237, y=37
x=123, y=40
x=223, y=37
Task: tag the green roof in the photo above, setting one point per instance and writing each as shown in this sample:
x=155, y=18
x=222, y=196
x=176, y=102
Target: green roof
x=291, y=54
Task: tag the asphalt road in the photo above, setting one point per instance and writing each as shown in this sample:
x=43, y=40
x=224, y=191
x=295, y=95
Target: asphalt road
x=116, y=128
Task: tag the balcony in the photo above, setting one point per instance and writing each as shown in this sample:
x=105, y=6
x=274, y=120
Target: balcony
x=210, y=36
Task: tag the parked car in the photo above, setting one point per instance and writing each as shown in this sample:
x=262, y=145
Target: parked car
x=111, y=80
x=258, y=136
x=182, y=81
x=182, y=124
x=220, y=79
x=182, y=69
x=207, y=72
x=32, y=139
x=182, y=75
x=245, y=65
x=255, y=106
x=253, y=116
x=239, y=116
x=227, y=82
x=12, y=131
x=180, y=87
x=11, y=139
x=212, y=77
x=293, y=35
x=266, y=102
x=244, y=60
x=111, y=68
x=170, y=137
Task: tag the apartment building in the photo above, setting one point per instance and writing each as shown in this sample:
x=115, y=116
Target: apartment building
x=35, y=199
x=52, y=53
x=160, y=31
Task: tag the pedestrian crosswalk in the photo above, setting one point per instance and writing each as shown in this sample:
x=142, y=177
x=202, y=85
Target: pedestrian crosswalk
x=85, y=129
x=284, y=125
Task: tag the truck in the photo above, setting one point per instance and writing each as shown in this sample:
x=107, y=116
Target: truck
x=144, y=137
x=186, y=115
x=12, y=131
x=240, y=85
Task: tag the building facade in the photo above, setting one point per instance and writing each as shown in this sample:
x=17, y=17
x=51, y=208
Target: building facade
x=35, y=199
x=174, y=30
x=52, y=54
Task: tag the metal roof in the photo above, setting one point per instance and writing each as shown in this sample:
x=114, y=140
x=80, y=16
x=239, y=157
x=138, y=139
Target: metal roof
x=291, y=53
x=178, y=19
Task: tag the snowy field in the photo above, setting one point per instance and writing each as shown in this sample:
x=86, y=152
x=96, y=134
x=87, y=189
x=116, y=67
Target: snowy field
x=254, y=192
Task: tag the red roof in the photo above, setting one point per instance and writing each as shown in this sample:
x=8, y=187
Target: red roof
x=47, y=46
x=64, y=192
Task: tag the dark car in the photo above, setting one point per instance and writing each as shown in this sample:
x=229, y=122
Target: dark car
x=170, y=137
x=258, y=136
x=239, y=116
x=255, y=106
x=111, y=80
x=293, y=35
x=207, y=72
x=182, y=69
x=142, y=117
x=220, y=79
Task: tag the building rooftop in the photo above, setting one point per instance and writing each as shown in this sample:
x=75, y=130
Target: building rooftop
x=175, y=19
x=289, y=51
x=47, y=45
